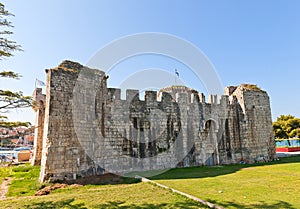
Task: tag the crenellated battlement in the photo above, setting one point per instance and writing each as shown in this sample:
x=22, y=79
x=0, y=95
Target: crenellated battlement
x=186, y=97
x=85, y=128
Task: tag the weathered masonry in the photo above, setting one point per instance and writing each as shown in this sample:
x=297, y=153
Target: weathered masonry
x=86, y=129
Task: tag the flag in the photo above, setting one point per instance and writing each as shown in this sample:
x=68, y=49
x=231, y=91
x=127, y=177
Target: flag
x=176, y=73
x=39, y=82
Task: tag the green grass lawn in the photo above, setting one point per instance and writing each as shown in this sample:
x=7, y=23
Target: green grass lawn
x=138, y=195
x=131, y=195
x=24, y=180
x=4, y=172
x=269, y=185
x=272, y=185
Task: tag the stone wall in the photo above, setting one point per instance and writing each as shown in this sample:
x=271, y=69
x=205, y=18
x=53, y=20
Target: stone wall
x=39, y=108
x=89, y=130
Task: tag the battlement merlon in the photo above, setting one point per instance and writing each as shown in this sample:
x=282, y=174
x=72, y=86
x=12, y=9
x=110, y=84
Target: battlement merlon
x=132, y=94
x=151, y=98
x=114, y=93
x=39, y=98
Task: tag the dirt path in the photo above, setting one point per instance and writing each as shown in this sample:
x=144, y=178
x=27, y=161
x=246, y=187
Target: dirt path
x=4, y=188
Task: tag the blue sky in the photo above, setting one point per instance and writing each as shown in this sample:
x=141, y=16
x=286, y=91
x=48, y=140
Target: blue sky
x=247, y=41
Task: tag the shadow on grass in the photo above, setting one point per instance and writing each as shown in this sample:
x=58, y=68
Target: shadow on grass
x=110, y=205
x=59, y=204
x=108, y=178
x=116, y=204
x=69, y=203
x=260, y=205
x=205, y=171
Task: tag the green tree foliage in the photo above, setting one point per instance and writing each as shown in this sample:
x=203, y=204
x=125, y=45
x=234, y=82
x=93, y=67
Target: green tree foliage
x=7, y=47
x=8, y=99
x=286, y=126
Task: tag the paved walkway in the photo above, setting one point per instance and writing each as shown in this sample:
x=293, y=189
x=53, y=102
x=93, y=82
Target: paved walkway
x=211, y=205
x=4, y=188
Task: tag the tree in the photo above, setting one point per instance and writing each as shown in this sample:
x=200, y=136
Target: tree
x=8, y=99
x=286, y=126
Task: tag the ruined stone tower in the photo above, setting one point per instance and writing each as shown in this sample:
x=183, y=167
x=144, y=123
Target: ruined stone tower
x=89, y=130
x=39, y=108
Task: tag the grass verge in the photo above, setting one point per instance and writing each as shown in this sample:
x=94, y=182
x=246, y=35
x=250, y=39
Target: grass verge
x=24, y=179
x=126, y=195
x=139, y=195
x=269, y=185
x=4, y=172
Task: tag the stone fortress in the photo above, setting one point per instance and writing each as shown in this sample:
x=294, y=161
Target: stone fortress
x=85, y=129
